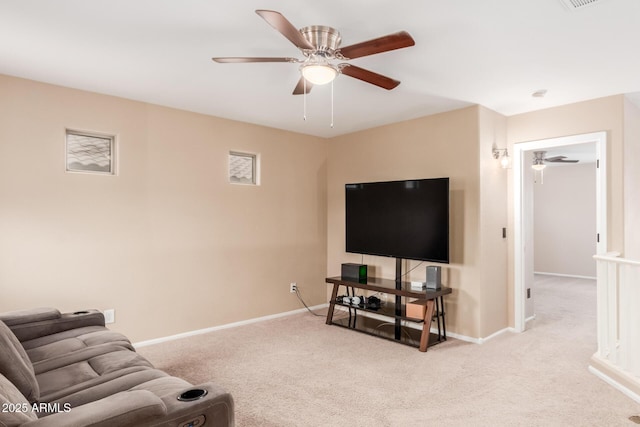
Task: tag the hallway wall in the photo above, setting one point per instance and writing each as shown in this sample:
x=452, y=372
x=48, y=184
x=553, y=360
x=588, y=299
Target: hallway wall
x=565, y=221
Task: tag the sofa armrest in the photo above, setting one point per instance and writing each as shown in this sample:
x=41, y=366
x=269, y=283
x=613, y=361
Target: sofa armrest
x=216, y=406
x=127, y=408
x=29, y=326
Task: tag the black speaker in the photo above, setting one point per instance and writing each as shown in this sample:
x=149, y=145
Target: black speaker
x=433, y=278
x=356, y=272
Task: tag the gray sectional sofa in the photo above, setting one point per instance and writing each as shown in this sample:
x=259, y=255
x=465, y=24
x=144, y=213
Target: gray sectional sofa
x=70, y=370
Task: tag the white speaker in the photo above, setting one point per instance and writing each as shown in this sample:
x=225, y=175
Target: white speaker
x=433, y=277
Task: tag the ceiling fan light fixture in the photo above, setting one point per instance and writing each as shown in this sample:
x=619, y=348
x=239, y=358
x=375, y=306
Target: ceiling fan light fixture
x=319, y=74
x=538, y=160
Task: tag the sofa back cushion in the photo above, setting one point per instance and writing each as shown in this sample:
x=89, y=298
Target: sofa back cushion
x=15, y=408
x=31, y=315
x=16, y=366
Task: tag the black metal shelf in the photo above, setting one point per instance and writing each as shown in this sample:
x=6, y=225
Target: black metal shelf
x=385, y=330
x=389, y=310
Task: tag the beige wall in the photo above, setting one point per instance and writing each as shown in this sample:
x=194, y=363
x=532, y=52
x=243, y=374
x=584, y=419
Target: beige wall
x=603, y=114
x=442, y=145
x=565, y=220
x=493, y=218
x=173, y=247
x=167, y=242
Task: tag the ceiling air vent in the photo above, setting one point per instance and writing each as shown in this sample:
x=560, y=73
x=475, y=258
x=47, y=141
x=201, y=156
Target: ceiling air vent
x=579, y=4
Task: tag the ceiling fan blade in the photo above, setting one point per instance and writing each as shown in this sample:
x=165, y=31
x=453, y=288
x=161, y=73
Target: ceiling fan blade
x=381, y=44
x=369, y=76
x=286, y=28
x=554, y=158
x=299, y=90
x=241, y=59
x=559, y=159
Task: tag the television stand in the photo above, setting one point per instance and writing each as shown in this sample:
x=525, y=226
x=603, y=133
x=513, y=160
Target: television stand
x=376, y=321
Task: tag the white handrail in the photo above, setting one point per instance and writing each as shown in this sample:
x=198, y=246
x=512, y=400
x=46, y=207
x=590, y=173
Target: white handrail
x=614, y=257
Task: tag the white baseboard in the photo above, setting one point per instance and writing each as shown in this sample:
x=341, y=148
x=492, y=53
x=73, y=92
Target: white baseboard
x=495, y=334
x=615, y=384
x=479, y=340
x=573, y=276
x=302, y=310
x=225, y=326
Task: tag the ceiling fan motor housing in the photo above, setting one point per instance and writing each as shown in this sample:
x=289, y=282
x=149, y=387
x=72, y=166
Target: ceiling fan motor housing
x=326, y=40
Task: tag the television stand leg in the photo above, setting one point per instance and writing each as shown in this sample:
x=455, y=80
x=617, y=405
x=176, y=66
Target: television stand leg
x=426, y=334
x=332, y=304
x=398, y=325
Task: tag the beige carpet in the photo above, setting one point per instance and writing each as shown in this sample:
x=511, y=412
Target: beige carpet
x=297, y=371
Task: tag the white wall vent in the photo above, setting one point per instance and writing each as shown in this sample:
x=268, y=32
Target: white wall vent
x=579, y=4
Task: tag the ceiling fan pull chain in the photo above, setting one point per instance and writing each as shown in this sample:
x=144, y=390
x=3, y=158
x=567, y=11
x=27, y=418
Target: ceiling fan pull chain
x=332, y=103
x=304, y=100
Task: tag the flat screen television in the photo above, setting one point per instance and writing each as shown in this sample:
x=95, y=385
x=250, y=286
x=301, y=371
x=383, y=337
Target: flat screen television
x=401, y=219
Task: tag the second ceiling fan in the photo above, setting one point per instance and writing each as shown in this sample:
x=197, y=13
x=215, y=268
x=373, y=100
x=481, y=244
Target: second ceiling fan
x=539, y=160
x=320, y=46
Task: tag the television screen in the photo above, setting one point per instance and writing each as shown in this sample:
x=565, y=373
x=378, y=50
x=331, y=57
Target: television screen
x=402, y=219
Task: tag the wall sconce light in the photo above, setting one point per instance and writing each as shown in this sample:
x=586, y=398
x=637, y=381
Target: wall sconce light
x=503, y=155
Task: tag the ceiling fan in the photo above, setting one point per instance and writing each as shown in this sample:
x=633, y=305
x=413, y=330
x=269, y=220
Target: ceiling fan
x=539, y=160
x=320, y=46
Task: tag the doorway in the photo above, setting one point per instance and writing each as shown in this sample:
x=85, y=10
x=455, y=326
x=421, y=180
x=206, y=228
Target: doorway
x=523, y=189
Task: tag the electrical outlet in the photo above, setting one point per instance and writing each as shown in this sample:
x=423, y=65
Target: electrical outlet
x=293, y=287
x=109, y=315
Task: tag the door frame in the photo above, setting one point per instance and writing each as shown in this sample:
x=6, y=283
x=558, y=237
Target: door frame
x=519, y=163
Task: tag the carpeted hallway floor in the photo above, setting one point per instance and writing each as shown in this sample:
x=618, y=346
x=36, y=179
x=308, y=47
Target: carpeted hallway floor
x=297, y=371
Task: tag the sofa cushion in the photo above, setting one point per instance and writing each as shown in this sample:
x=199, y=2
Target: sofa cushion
x=164, y=386
x=110, y=384
x=81, y=355
x=15, y=408
x=53, y=345
x=19, y=317
x=85, y=368
x=16, y=366
x=26, y=331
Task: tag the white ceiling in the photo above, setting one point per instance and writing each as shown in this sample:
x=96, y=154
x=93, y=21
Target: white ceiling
x=494, y=53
